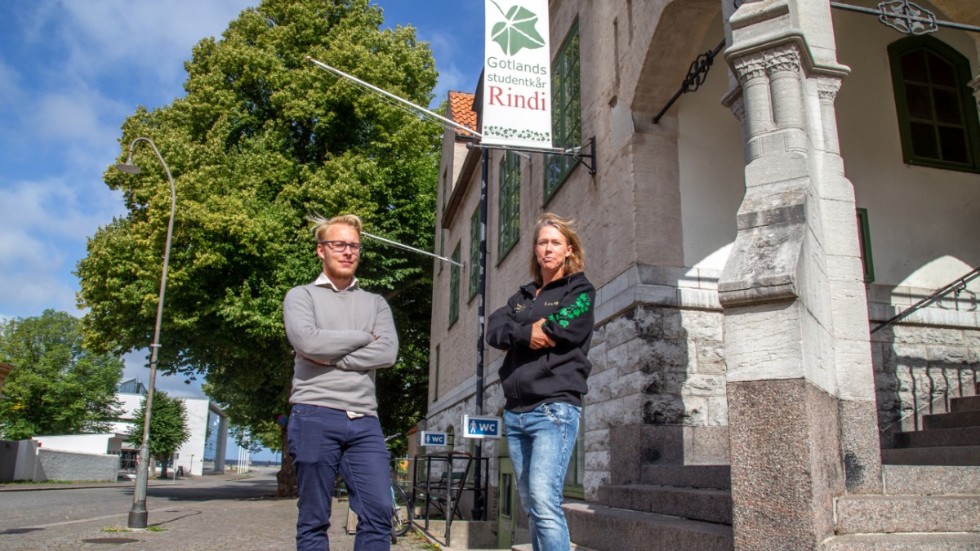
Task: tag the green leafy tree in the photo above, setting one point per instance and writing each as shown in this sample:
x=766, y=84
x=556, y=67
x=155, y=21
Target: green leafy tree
x=262, y=140
x=168, y=427
x=57, y=386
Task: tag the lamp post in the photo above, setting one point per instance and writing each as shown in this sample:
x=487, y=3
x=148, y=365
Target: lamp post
x=138, y=514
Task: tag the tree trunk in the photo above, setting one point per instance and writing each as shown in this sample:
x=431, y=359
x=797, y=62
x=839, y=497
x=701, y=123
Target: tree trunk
x=287, y=473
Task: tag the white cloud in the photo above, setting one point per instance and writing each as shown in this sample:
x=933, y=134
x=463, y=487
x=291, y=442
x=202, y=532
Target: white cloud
x=53, y=208
x=29, y=296
x=151, y=36
x=64, y=117
x=43, y=235
x=138, y=367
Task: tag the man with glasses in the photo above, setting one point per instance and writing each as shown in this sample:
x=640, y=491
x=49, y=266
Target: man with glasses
x=341, y=335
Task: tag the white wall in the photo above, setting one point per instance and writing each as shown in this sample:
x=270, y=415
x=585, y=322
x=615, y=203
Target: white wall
x=197, y=424
x=82, y=443
x=191, y=454
x=924, y=221
x=711, y=165
x=76, y=467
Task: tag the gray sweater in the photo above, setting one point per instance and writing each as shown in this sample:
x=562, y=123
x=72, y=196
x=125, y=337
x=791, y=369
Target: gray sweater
x=352, y=331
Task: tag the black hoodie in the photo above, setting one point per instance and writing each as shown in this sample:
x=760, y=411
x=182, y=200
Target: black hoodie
x=534, y=377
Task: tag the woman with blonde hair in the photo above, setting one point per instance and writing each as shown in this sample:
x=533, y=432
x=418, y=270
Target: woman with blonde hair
x=546, y=329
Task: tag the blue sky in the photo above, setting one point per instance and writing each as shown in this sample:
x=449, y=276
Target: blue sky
x=72, y=70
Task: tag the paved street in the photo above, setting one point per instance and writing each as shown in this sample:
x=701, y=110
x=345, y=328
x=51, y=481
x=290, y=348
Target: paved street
x=212, y=512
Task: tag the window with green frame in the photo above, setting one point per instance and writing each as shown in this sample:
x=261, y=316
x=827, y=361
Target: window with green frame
x=435, y=382
x=509, y=204
x=442, y=246
x=454, y=288
x=864, y=241
x=445, y=187
x=566, y=112
x=937, y=114
x=474, y=275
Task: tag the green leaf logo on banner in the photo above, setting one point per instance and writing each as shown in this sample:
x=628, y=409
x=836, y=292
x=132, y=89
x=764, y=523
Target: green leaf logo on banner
x=517, y=31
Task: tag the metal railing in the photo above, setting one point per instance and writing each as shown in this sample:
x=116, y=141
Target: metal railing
x=439, y=482
x=957, y=285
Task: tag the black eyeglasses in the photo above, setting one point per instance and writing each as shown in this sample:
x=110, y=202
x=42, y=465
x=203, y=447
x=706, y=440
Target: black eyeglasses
x=339, y=246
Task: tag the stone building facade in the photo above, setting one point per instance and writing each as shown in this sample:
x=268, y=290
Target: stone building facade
x=744, y=243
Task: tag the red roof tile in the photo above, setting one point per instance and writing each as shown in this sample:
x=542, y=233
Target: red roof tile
x=461, y=109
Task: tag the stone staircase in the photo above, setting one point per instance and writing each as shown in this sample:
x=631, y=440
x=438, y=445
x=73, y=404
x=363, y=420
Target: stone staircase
x=951, y=438
x=930, y=502
x=922, y=508
x=931, y=498
x=673, y=507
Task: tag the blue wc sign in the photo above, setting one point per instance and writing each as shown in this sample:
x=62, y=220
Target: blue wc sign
x=482, y=427
x=434, y=438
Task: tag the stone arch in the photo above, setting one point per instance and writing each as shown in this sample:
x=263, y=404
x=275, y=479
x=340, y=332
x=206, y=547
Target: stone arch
x=674, y=45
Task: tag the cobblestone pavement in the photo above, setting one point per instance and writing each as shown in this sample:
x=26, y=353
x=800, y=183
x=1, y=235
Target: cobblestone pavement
x=250, y=524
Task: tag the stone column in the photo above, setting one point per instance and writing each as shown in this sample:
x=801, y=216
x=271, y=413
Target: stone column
x=800, y=385
x=854, y=373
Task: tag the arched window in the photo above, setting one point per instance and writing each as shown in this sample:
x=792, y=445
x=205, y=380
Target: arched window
x=937, y=113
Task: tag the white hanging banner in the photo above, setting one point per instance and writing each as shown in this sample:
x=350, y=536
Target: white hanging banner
x=517, y=74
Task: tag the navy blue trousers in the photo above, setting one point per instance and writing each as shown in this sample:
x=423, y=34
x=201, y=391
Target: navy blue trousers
x=323, y=442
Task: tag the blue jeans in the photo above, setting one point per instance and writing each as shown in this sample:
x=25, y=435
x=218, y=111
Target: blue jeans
x=322, y=442
x=540, y=443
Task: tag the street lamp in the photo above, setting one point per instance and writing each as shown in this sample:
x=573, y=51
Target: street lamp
x=137, y=514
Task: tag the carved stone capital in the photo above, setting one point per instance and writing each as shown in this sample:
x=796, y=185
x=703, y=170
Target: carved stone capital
x=749, y=68
x=827, y=89
x=785, y=58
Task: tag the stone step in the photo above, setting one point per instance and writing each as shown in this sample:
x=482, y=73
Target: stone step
x=601, y=527
x=965, y=403
x=961, y=436
x=931, y=480
x=529, y=547
x=876, y=514
x=940, y=455
x=689, y=476
x=903, y=542
x=691, y=503
x=951, y=420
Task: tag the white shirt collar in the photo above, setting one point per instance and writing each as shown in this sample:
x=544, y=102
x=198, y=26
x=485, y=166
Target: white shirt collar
x=323, y=281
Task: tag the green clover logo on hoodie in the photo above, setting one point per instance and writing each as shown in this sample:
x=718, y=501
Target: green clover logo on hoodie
x=565, y=315
x=517, y=31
